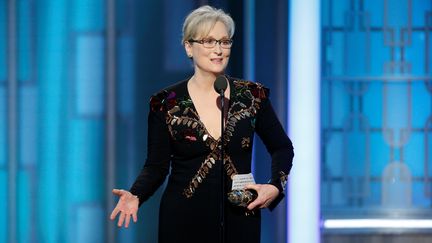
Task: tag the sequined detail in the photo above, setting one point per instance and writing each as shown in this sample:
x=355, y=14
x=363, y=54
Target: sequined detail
x=250, y=95
x=189, y=133
x=245, y=143
x=251, y=90
x=283, y=179
x=180, y=111
x=253, y=120
x=229, y=167
x=203, y=171
x=163, y=100
x=205, y=168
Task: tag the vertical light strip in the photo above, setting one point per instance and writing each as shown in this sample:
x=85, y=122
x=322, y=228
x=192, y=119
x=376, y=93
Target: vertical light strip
x=249, y=50
x=249, y=40
x=110, y=147
x=12, y=121
x=304, y=121
x=371, y=223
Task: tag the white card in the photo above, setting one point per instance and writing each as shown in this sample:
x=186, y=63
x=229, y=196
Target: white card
x=241, y=180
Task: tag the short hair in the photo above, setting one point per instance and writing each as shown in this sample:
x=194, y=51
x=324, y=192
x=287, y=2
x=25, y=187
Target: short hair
x=203, y=19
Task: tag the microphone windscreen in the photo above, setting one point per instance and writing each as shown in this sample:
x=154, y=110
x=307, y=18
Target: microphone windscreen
x=220, y=84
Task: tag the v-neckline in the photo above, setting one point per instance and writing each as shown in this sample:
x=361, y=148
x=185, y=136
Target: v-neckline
x=198, y=115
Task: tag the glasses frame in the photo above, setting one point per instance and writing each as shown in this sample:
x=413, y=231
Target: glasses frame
x=202, y=42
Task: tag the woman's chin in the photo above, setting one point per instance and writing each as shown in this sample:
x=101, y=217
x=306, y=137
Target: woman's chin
x=215, y=70
x=218, y=70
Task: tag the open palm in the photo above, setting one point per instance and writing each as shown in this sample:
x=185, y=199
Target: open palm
x=127, y=206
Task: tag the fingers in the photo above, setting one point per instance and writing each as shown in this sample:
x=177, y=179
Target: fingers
x=114, y=213
x=127, y=206
x=266, y=195
x=265, y=204
x=121, y=219
x=118, y=192
x=253, y=205
x=128, y=216
x=135, y=217
x=258, y=203
x=255, y=187
x=125, y=219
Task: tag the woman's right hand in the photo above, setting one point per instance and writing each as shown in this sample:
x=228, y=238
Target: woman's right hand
x=127, y=206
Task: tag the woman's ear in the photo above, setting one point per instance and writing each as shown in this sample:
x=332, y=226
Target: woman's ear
x=188, y=49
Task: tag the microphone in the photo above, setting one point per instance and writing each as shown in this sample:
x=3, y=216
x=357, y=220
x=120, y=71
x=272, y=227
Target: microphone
x=220, y=84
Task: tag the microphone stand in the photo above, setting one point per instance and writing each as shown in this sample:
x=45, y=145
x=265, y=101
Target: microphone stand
x=222, y=199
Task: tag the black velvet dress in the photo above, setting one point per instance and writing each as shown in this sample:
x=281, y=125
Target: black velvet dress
x=178, y=140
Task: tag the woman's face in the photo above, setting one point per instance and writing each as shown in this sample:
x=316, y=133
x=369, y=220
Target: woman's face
x=210, y=60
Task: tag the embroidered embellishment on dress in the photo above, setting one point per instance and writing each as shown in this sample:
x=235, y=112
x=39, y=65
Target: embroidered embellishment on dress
x=246, y=91
x=203, y=171
x=283, y=179
x=189, y=135
x=163, y=99
x=229, y=167
x=245, y=143
x=253, y=120
x=194, y=128
x=249, y=96
x=200, y=175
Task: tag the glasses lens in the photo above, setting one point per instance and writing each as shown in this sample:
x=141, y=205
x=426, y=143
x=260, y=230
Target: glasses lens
x=226, y=43
x=209, y=43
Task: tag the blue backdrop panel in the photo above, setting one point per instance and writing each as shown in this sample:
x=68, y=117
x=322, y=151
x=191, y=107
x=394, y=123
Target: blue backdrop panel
x=51, y=50
x=3, y=205
x=376, y=79
x=89, y=75
x=3, y=42
x=26, y=15
x=62, y=105
x=3, y=130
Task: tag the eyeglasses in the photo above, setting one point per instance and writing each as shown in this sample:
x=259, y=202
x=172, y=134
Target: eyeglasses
x=211, y=43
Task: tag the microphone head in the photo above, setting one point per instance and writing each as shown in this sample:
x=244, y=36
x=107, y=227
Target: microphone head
x=220, y=84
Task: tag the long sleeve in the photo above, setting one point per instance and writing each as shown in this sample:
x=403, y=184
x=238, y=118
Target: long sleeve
x=158, y=160
x=278, y=145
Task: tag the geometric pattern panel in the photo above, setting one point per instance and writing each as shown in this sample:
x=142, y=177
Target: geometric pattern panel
x=376, y=106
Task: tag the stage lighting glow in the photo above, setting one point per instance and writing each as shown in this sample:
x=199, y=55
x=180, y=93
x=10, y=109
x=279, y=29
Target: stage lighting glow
x=377, y=223
x=249, y=53
x=304, y=121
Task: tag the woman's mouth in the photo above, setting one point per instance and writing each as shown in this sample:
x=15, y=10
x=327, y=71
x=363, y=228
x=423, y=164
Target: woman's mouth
x=216, y=60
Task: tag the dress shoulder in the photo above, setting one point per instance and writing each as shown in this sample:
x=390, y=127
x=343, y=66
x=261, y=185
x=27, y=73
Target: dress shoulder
x=255, y=89
x=165, y=99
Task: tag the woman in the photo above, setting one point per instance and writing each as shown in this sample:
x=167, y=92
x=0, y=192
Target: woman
x=184, y=135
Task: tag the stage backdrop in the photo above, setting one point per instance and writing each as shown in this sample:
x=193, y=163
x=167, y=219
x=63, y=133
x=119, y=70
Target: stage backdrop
x=376, y=109
x=75, y=81
x=76, y=77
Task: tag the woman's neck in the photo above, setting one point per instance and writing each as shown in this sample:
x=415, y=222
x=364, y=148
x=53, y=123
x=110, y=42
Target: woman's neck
x=203, y=82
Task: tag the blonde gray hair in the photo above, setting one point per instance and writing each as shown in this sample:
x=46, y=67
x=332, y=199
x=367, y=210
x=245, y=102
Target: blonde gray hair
x=201, y=20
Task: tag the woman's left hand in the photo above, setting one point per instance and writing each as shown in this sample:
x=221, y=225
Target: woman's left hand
x=266, y=194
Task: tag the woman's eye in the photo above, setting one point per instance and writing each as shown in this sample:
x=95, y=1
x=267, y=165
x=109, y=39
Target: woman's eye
x=209, y=41
x=225, y=42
